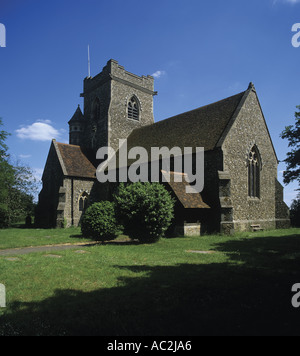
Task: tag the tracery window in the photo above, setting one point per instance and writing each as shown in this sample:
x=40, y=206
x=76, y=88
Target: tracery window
x=254, y=173
x=83, y=201
x=133, y=109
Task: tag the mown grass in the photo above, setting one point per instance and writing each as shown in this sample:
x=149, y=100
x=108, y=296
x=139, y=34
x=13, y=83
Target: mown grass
x=243, y=287
x=20, y=237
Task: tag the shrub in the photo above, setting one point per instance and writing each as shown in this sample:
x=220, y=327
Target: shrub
x=99, y=221
x=145, y=210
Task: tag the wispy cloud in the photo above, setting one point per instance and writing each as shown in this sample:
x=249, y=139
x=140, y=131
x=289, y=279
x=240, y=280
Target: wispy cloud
x=24, y=156
x=158, y=74
x=38, y=131
x=291, y=2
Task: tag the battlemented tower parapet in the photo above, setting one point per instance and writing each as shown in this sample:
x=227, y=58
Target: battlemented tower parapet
x=144, y=83
x=114, y=71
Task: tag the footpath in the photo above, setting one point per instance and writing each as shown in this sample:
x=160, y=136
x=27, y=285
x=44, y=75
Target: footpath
x=46, y=248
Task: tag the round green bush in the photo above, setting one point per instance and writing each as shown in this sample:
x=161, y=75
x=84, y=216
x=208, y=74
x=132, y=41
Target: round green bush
x=145, y=210
x=99, y=221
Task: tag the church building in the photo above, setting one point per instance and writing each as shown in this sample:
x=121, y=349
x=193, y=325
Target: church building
x=241, y=190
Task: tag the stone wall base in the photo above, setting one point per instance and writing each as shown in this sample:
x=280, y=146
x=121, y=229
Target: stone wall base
x=231, y=227
x=283, y=223
x=188, y=229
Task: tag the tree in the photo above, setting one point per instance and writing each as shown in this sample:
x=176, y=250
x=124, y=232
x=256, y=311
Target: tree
x=6, y=177
x=292, y=134
x=17, y=186
x=21, y=192
x=295, y=212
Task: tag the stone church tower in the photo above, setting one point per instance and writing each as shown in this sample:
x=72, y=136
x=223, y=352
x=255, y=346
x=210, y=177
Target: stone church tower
x=115, y=103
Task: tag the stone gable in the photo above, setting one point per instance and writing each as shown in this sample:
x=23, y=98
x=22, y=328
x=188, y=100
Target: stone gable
x=249, y=129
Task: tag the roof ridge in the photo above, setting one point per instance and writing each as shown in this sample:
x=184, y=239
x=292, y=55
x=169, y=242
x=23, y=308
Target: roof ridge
x=67, y=144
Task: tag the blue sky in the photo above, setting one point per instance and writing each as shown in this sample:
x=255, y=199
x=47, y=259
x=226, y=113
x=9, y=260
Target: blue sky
x=198, y=51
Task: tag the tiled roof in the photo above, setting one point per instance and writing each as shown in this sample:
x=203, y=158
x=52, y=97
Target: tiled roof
x=202, y=127
x=76, y=162
x=188, y=200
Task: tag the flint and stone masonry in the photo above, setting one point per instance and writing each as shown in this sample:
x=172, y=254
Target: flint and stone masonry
x=233, y=131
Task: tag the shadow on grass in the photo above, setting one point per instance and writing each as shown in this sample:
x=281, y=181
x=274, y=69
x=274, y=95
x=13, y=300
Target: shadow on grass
x=250, y=294
x=76, y=236
x=22, y=226
x=119, y=240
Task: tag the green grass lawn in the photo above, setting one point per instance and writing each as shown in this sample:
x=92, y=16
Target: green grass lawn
x=243, y=287
x=18, y=237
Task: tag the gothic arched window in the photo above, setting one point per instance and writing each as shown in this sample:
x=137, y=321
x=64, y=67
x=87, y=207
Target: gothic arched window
x=133, y=109
x=96, y=109
x=254, y=173
x=83, y=201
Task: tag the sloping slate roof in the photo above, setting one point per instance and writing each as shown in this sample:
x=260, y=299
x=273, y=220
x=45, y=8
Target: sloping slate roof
x=76, y=162
x=188, y=200
x=201, y=127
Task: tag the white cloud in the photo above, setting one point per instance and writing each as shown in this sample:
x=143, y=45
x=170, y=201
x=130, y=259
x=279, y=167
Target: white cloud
x=38, y=131
x=158, y=74
x=24, y=156
x=292, y=2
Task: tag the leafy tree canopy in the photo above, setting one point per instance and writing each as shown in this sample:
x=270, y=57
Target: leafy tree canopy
x=295, y=212
x=17, y=186
x=292, y=134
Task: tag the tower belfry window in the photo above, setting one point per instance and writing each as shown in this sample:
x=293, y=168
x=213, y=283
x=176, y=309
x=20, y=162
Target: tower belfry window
x=96, y=109
x=133, y=109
